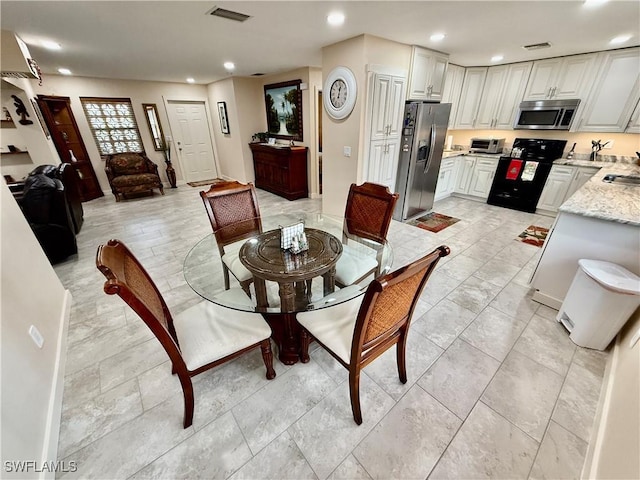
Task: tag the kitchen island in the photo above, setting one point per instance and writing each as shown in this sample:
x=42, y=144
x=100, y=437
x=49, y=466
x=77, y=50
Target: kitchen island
x=600, y=221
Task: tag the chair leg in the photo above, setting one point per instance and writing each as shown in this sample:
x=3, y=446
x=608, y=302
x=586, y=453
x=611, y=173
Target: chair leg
x=245, y=287
x=161, y=189
x=225, y=272
x=267, y=356
x=354, y=392
x=304, y=345
x=401, y=354
x=187, y=390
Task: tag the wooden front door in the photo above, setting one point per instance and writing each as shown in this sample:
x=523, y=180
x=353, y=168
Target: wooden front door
x=68, y=141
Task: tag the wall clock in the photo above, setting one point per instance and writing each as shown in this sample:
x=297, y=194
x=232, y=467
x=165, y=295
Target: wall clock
x=339, y=93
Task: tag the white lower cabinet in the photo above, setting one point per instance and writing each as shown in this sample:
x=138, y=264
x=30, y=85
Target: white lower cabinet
x=562, y=182
x=446, y=179
x=474, y=175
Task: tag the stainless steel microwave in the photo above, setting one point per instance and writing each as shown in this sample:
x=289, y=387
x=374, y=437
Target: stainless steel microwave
x=546, y=115
x=487, y=145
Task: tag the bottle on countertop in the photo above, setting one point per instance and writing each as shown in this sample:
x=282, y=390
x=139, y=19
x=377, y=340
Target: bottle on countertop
x=570, y=154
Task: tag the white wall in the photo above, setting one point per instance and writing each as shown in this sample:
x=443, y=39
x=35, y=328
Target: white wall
x=31, y=378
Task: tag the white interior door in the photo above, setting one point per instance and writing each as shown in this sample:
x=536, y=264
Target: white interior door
x=192, y=140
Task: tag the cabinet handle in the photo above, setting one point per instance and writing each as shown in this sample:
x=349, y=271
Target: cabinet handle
x=549, y=93
x=554, y=92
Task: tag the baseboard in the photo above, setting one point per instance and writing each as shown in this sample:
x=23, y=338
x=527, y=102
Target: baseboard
x=52, y=431
x=546, y=300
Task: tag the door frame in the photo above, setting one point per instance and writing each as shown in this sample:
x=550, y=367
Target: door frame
x=166, y=101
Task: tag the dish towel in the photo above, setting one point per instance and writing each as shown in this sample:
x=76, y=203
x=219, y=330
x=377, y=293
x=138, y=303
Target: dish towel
x=529, y=171
x=514, y=169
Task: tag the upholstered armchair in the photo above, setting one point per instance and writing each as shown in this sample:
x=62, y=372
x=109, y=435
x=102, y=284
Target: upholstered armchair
x=131, y=173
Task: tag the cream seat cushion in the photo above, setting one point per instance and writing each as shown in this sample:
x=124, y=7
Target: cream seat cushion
x=334, y=326
x=232, y=260
x=354, y=262
x=208, y=332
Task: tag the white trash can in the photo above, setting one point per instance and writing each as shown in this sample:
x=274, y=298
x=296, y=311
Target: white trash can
x=600, y=300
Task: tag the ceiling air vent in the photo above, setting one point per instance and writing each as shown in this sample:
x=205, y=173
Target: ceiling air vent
x=231, y=15
x=257, y=74
x=537, y=46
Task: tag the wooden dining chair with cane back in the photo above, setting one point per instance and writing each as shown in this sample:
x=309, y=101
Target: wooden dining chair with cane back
x=366, y=220
x=234, y=214
x=199, y=338
x=358, y=331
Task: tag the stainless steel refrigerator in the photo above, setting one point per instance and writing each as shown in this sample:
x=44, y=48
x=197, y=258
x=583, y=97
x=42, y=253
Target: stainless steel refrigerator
x=423, y=136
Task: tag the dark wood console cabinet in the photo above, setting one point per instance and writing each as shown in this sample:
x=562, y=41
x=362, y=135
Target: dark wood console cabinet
x=281, y=170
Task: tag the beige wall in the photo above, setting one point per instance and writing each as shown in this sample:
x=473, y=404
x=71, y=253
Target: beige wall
x=614, y=449
x=31, y=378
x=139, y=92
x=623, y=143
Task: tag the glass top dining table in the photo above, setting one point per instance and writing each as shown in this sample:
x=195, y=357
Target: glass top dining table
x=276, y=272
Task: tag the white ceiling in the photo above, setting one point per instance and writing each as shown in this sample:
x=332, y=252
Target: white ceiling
x=172, y=40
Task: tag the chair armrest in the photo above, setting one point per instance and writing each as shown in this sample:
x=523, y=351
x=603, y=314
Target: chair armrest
x=151, y=166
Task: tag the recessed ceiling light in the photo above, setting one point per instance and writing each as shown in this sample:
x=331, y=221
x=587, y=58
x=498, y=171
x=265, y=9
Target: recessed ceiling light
x=594, y=3
x=191, y=80
x=64, y=71
x=49, y=45
x=335, y=19
x=497, y=58
x=229, y=65
x=620, y=39
x=436, y=37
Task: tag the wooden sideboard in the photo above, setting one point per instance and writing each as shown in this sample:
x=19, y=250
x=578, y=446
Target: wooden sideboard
x=281, y=170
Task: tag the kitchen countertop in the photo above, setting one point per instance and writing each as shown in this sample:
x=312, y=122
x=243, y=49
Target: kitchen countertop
x=606, y=201
x=464, y=153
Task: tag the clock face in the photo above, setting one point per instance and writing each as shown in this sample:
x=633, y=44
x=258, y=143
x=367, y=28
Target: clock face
x=340, y=98
x=338, y=93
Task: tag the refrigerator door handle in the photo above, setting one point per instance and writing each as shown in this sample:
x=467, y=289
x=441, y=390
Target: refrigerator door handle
x=431, y=147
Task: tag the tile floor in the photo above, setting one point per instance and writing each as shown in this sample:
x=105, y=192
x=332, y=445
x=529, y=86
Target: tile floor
x=496, y=389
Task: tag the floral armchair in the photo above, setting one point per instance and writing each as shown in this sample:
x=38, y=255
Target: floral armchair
x=131, y=173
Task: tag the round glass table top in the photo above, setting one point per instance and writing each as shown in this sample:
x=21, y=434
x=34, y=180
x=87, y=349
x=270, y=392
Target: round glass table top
x=260, y=252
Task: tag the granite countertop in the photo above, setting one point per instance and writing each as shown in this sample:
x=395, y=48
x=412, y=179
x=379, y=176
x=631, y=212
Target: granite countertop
x=607, y=201
x=464, y=153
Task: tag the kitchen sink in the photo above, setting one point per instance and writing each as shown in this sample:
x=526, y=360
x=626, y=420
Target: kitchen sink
x=621, y=179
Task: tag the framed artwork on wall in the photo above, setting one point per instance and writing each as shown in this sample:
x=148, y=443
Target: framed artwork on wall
x=224, y=120
x=283, y=102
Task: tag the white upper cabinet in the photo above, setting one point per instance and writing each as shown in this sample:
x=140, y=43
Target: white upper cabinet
x=427, y=74
x=634, y=123
x=615, y=93
x=387, y=106
x=561, y=78
x=470, y=98
x=452, y=90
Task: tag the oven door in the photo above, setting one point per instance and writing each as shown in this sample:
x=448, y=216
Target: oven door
x=518, y=183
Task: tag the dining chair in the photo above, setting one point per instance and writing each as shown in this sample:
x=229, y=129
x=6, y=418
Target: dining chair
x=358, y=331
x=201, y=337
x=233, y=203
x=366, y=220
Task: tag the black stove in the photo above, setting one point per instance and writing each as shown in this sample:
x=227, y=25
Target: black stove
x=520, y=177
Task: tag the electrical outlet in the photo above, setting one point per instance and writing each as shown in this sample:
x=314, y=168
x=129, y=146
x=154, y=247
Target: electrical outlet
x=36, y=336
x=609, y=144
x=346, y=151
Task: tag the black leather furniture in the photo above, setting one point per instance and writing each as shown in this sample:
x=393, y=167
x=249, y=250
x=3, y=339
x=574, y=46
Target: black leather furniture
x=44, y=204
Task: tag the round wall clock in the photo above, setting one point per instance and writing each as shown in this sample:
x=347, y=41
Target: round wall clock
x=339, y=93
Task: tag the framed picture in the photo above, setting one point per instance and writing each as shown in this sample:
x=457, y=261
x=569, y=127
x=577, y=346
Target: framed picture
x=36, y=109
x=224, y=120
x=283, y=102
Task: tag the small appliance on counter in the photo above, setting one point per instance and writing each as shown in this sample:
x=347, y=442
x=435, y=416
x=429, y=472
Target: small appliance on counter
x=520, y=177
x=486, y=145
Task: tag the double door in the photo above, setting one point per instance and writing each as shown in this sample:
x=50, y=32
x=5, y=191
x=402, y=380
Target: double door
x=66, y=137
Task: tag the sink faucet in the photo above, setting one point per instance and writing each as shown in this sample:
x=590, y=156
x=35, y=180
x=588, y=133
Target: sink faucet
x=596, y=146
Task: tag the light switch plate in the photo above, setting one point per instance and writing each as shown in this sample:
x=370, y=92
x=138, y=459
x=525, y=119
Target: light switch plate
x=36, y=336
x=346, y=151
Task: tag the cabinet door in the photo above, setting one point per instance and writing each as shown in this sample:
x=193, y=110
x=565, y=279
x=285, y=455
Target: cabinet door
x=555, y=188
x=542, y=79
x=511, y=95
x=580, y=177
x=395, y=106
x=446, y=180
x=452, y=89
x=465, y=172
x=438, y=74
x=483, y=173
x=615, y=93
x=383, y=163
x=634, y=123
x=419, y=76
x=381, y=92
x=574, y=77
x=470, y=97
x=491, y=95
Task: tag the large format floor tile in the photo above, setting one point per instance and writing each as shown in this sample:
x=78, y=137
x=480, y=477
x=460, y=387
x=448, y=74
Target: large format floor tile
x=495, y=389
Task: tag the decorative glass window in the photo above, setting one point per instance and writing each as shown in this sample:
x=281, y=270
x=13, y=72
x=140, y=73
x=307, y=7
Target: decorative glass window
x=113, y=124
